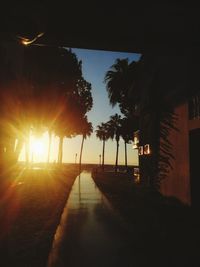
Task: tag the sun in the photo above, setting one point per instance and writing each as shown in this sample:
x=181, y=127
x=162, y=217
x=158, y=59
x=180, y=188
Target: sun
x=37, y=147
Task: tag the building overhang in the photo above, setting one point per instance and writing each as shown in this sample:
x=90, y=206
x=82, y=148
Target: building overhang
x=132, y=27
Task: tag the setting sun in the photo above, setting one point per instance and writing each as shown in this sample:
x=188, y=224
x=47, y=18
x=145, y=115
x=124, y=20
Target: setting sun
x=37, y=147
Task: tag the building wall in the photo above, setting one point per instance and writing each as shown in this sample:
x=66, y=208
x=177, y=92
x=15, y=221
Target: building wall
x=178, y=181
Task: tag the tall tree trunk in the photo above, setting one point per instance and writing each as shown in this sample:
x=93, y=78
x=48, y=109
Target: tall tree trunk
x=125, y=147
x=18, y=148
x=2, y=144
x=60, y=152
x=10, y=149
x=27, y=147
x=81, y=151
x=49, y=147
x=117, y=152
x=27, y=151
x=103, y=153
x=2, y=154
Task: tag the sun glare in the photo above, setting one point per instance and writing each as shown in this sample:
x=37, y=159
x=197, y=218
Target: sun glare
x=37, y=147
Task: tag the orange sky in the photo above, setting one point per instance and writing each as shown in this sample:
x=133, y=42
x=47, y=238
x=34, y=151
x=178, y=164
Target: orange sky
x=92, y=150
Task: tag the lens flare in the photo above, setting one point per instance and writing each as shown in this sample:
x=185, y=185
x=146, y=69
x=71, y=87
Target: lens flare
x=37, y=147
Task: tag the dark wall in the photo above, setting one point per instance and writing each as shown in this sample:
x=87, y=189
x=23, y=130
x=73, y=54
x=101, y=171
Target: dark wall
x=178, y=181
x=194, y=138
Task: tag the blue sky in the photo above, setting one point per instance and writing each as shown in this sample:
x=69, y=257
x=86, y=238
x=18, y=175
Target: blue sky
x=94, y=66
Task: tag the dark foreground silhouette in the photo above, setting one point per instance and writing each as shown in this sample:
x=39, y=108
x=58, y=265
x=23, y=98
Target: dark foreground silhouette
x=31, y=203
x=165, y=232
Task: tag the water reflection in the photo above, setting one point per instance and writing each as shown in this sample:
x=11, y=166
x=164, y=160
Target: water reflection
x=90, y=233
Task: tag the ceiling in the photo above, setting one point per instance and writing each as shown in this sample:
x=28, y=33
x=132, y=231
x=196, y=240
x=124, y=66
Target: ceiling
x=118, y=27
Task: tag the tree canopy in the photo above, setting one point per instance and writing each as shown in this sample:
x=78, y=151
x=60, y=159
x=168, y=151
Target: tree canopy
x=42, y=88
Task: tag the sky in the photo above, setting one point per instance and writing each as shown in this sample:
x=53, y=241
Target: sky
x=95, y=63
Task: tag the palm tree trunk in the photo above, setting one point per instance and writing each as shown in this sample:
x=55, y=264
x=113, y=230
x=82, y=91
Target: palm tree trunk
x=18, y=148
x=27, y=147
x=81, y=151
x=103, y=153
x=125, y=147
x=10, y=149
x=60, y=151
x=27, y=152
x=49, y=147
x=2, y=152
x=117, y=152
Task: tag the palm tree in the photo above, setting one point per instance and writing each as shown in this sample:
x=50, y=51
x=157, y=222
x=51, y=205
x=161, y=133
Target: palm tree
x=62, y=130
x=126, y=137
x=120, y=84
x=103, y=135
x=86, y=131
x=128, y=126
x=49, y=144
x=136, y=87
x=115, y=132
x=116, y=80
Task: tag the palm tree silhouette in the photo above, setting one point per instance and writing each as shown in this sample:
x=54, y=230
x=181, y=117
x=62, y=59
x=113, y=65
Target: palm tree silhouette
x=126, y=136
x=136, y=87
x=102, y=132
x=86, y=130
x=128, y=126
x=120, y=84
x=114, y=125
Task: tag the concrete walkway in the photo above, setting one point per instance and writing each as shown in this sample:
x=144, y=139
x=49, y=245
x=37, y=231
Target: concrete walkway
x=90, y=233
